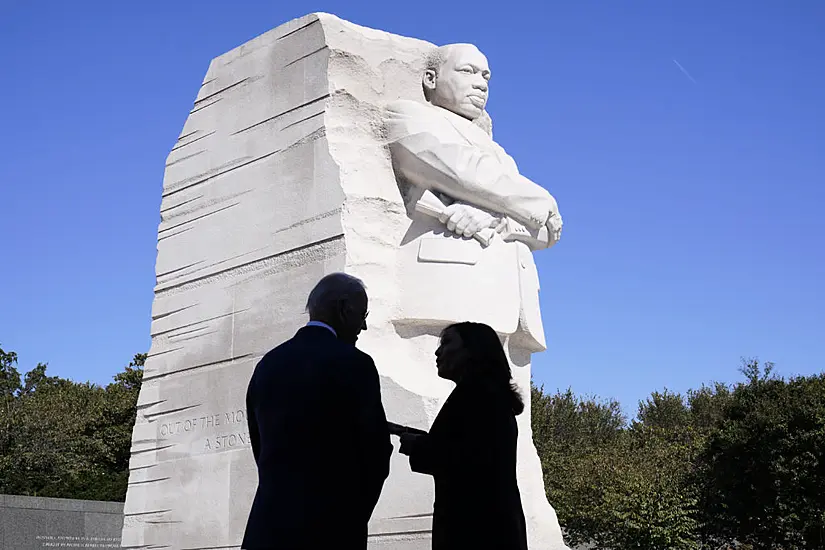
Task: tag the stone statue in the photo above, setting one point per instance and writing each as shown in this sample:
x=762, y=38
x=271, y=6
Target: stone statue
x=467, y=255
x=438, y=149
x=290, y=165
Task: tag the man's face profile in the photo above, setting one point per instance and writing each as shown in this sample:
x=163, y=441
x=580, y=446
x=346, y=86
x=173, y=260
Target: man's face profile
x=352, y=317
x=461, y=84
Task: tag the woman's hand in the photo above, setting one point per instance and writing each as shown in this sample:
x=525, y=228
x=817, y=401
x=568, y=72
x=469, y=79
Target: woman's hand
x=408, y=442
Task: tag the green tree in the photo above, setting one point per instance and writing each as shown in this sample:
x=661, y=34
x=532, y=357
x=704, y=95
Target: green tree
x=562, y=422
x=67, y=439
x=616, y=485
x=9, y=375
x=708, y=405
x=9, y=390
x=37, y=378
x=646, y=501
x=664, y=410
x=762, y=473
x=118, y=420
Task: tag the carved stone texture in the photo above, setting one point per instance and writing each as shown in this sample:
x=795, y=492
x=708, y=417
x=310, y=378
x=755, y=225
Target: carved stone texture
x=283, y=173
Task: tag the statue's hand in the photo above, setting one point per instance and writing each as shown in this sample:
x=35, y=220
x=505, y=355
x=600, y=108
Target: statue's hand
x=554, y=225
x=466, y=220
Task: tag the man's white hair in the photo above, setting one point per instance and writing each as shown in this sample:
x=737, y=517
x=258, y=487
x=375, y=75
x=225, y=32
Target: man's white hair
x=331, y=290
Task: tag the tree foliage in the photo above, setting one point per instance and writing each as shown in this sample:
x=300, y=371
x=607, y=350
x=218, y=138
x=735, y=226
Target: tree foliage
x=739, y=466
x=63, y=438
x=615, y=485
x=762, y=473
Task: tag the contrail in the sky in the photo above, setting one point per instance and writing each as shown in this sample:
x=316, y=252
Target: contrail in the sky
x=684, y=72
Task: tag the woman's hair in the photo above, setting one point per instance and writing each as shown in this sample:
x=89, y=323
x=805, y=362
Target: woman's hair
x=487, y=359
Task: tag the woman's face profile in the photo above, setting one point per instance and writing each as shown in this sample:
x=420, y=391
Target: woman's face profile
x=450, y=356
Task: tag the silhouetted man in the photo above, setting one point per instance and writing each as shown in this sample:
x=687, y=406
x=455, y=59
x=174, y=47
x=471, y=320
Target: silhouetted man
x=318, y=429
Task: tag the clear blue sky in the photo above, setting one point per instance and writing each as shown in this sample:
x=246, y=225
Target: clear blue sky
x=692, y=204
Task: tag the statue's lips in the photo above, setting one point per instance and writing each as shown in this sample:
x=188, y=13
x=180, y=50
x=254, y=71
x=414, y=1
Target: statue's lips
x=477, y=100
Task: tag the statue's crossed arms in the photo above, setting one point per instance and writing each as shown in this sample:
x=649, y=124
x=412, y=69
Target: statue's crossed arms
x=437, y=147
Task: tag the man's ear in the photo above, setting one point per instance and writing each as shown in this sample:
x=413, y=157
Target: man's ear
x=341, y=311
x=429, y=79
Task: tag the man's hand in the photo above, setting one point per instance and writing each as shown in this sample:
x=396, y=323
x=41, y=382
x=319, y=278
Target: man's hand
x=466, y=220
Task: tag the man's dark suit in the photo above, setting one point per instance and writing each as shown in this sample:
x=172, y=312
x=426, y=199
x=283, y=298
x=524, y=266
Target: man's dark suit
x=320, y=439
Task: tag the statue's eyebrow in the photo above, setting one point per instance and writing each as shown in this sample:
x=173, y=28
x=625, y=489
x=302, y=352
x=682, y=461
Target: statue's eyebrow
x=477, y=68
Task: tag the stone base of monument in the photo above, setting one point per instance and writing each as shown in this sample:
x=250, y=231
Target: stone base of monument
x=280, y=175
x=33, y=523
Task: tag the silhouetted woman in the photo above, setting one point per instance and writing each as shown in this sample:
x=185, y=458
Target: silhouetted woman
x=471, y=449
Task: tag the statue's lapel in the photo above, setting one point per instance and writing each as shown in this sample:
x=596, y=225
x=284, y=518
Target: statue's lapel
x=471, y=133
x=463, y=126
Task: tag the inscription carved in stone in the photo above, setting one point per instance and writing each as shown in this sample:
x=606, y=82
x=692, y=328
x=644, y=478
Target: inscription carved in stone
x=225, y=430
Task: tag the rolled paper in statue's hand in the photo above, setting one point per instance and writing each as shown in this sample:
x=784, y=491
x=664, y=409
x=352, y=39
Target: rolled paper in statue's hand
x=431, y=205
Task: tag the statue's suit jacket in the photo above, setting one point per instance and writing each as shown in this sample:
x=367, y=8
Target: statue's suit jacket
x=434, y=149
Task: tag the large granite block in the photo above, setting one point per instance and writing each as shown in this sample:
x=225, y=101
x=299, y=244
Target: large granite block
x=283, y=173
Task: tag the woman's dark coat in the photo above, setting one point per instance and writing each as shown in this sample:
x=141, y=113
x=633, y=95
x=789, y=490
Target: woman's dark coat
x=471, y=454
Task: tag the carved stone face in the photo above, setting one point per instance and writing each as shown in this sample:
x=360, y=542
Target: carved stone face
x=461, y=84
